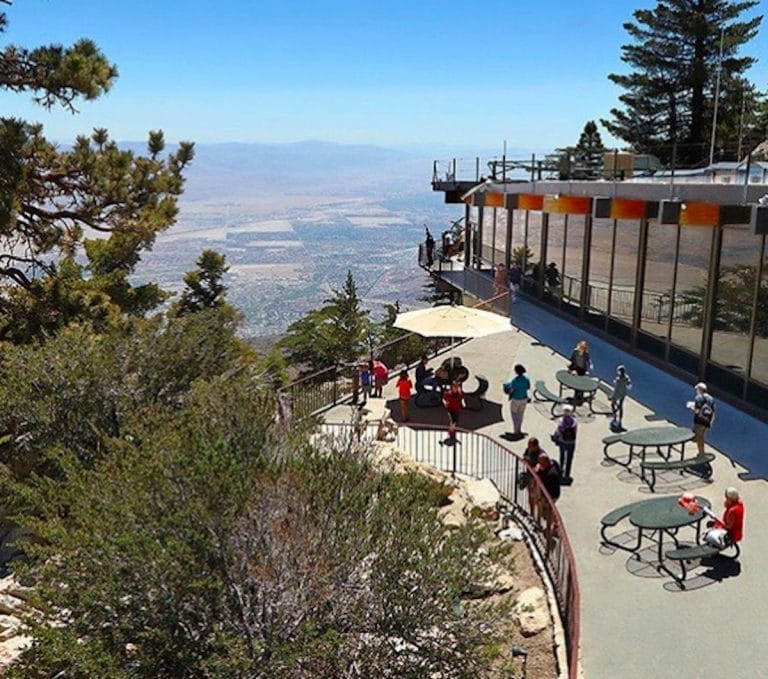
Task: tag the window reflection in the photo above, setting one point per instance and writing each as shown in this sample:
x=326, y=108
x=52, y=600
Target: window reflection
x=735, y=296
x=760, y=350
x=625, y=270
x=600, y=264
x=691, y=289
x=659, y=278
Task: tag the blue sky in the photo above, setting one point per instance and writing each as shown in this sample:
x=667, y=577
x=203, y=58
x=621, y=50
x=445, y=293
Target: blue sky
x=467, y=75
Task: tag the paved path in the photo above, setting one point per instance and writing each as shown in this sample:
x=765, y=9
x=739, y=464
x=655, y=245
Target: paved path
x=634, y=624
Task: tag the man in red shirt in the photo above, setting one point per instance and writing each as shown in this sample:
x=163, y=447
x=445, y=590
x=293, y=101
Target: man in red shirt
x=730, y=529
x=453, y=399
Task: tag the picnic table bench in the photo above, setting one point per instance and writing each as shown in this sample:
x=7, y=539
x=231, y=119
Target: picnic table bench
x=609, y=441
x=684, y=556
x=686, y=464
x=542, y=394
x=612, y=518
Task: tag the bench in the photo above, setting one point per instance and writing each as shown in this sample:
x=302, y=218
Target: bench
x=542, y=394
x=609, y=441
x=684, y=555
x=686, y=464
x=612, y=518
x=477, y=395
x=607, y=389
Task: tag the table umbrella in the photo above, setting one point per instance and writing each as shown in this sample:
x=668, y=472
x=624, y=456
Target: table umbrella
x=452, y=321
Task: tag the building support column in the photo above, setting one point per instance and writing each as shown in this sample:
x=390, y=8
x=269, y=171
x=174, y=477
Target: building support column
x=710, y=300
x=642, y=253
x=508, y=241
x=467, y=236
x=542, y=254
x=479, y=244
x=585, y=264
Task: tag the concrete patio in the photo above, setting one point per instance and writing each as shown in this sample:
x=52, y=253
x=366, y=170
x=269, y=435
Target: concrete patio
x=634, y=622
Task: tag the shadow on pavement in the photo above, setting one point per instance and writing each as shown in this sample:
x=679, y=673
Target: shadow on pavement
x=438, y=417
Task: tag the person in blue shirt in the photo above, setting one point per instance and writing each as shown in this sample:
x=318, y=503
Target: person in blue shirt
x=517, y=390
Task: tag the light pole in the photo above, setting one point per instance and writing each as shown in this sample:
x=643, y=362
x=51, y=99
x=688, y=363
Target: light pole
x=717, y=98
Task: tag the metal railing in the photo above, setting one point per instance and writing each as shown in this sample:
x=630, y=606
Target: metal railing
x=480, y=456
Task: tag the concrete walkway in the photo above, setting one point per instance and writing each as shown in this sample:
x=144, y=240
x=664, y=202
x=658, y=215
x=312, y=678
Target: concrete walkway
x=634, y=623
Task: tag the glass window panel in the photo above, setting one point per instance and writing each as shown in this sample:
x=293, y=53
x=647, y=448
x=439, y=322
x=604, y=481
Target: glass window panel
x=600, y=264
x=533, y=243
x=760, y=350
x=691, y=288
x=735, y=297
x=659, y=276
x=625, y=270
x=574, y=255
x=553, y=278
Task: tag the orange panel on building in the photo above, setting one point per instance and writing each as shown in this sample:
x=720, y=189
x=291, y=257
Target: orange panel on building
x=494, y=200
x=568, y=205
x=529, y=201
x=628, y=209
x=699, y=214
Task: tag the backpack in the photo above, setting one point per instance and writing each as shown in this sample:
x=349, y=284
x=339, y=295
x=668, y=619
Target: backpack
x=706, y=412
x=568, y=433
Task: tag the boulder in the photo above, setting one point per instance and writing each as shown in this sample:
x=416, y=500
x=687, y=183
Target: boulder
x=9, y=604
x=484, y=496
x=453, y=515
x=531, y=612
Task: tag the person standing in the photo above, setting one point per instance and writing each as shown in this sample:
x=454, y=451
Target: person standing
x=621, y=385
x=366, y=381
x=453, y=400
x=404, y=387
x=515, y=280
x=517, y=390
x=552, y=277
x=549, y=474
x=581, y=364
x=500, y=280
x=565, y=438
x=430, y=247
x=703, y=407
x=380, y=378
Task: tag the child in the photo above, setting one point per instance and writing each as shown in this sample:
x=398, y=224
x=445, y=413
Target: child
x=404, y=387
x=621, y=385
x=366, y=381
x=453, y=399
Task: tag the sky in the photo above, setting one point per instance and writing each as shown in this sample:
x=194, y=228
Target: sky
x=391, y=73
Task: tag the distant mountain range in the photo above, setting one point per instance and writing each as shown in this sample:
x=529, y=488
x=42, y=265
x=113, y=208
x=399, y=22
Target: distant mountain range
x=232, y=171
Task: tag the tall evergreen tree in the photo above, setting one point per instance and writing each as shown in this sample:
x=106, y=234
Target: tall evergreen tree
x=74, y=221
x=205, y=287
x=674, y=57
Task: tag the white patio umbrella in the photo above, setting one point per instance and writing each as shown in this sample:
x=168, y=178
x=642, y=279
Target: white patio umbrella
x=452, y=321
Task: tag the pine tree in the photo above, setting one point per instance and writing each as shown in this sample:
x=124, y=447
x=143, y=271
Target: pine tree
x=674, y=56
x=54, y=201
x=205, y=289
x=589, y=151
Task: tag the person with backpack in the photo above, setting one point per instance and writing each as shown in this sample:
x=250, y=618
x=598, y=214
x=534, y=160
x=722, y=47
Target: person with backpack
x=703, y=407
x=550, y=475
x=565, y=438
x=517, y=391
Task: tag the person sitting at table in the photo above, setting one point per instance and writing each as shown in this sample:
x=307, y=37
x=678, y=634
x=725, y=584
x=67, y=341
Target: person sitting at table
x=424, y=375
x=729, y=530
x=565, y=438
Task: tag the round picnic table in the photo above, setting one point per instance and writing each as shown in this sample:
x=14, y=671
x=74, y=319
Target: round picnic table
x=665, y=515
x=657, y=437
x=579, y=383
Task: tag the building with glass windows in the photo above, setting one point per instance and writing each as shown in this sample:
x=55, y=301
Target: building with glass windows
x=677, y=273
